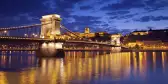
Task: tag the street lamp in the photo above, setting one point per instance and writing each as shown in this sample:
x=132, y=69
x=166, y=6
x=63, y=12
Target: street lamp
x=35, y=35
x=25, y=35
x=5, y=32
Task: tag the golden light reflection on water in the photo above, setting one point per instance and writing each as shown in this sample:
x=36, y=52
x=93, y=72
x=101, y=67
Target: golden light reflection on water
x=3, y=79
x=154, y=60
x=142, y=64
x=83, y=67
x=164, y=59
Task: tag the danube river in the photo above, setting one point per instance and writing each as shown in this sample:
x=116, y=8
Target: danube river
x=23, y=67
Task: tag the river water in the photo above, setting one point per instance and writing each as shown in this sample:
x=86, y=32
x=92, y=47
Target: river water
x=23, y=67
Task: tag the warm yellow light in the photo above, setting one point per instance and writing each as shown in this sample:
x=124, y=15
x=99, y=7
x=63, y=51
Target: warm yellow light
x=42, y=37
x=58, y=45
x=51, y=44
x=44, y=45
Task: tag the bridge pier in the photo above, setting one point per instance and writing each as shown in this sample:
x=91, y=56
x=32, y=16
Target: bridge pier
x=51, y=49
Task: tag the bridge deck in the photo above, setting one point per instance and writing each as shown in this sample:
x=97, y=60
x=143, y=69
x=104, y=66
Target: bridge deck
x=6, y=38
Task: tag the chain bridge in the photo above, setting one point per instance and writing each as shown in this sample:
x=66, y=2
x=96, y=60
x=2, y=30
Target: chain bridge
x=49, y=34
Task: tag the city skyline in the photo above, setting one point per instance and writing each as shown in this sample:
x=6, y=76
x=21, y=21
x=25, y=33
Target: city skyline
x=113, y=16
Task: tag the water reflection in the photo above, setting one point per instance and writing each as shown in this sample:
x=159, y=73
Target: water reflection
x=17, y=60
x=85, y=68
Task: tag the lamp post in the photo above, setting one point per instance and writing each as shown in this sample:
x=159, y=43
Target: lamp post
x=5, y=33
x=25, y=35
x=33, y=35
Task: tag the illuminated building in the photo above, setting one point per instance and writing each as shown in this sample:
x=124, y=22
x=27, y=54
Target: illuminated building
x=87, y=30
x=87, y=33
x=140, y=33
x=102, y=33
x=148, y=44
x=151, y=39
x=97, y=36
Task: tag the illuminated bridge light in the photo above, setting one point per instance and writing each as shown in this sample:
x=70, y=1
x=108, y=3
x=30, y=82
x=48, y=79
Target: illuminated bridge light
x=44, y=45
x=58, y=45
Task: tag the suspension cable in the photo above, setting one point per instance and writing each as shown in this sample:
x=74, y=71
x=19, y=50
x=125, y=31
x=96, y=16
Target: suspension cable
x=69, y=31
x=22, y=27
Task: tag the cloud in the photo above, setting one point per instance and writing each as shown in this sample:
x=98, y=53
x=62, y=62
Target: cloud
x=113, y=17
x=118, y=12
x=152, y=18
x=15, y=7
x=156, y=3
x=105, y=25
x=13, y=10
x=122, y=17
x=127, y=16
x=114, y=30
x=82, y=22
x=102, y=1
x=20, y=19
x=100, y=15
x=124, y=4
x=85, y=18
x=85, y=7
x=129, y=4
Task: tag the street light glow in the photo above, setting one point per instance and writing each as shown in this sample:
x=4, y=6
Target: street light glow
x=36, y=35
x=5, y=31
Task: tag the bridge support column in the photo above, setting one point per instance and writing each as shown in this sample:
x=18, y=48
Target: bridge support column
x=50, y=26
x=51, y=49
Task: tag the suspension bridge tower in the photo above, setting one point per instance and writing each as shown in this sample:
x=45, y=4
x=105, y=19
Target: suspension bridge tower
x=50, y=26
x=115, y=39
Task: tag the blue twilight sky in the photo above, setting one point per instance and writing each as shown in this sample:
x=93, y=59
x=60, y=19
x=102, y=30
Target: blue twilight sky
x=100, y=15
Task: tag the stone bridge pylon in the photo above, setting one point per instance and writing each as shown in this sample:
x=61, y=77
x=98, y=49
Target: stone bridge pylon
x=50, y=26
